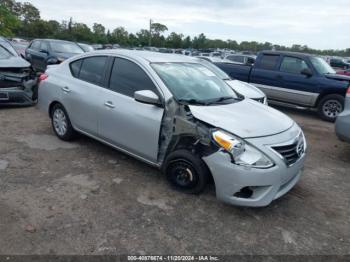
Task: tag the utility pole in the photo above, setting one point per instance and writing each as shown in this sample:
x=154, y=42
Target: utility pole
x=150, y=33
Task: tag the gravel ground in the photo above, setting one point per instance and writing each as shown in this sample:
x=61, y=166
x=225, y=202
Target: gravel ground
x=86, y=198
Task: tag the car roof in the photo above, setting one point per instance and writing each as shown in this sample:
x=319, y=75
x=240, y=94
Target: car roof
x=53, y=40
x=296, y=54
x=149, y=56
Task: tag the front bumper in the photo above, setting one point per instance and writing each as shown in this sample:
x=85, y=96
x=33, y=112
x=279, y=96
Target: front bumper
x=342, y=126
x=265, y=185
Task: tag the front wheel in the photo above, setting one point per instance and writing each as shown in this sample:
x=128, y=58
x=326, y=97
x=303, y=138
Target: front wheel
x=186, y=172
x=61, y=123
x=330, y=107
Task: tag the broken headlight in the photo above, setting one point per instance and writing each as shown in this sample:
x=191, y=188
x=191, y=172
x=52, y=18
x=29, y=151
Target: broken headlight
x=242, y=153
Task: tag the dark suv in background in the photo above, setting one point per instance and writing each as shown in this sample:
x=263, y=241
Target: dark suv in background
x=43, y=52
x=339, y=63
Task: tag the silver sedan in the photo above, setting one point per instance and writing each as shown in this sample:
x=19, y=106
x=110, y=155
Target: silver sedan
x=177, y=115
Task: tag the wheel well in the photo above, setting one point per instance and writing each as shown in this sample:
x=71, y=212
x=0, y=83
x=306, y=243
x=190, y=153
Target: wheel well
x=322, y=95
x=51, y=107
x=190, y=143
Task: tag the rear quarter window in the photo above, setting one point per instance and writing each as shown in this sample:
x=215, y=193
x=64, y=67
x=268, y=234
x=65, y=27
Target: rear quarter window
x=75, y=67
x=268, y=62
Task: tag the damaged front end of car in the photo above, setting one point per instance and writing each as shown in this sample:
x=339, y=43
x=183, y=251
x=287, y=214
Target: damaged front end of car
x=18, y=86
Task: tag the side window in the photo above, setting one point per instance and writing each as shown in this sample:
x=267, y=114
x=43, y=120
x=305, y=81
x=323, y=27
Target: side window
x=44, y=46
x=127, y=77
x=92, y=69
x=35, y=45
x=268, y=62
x=75, y=67
x=293, y=65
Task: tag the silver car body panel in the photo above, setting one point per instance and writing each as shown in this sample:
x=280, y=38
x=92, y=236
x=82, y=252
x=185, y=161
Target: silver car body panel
x=14, y=62
x=147, y=132
x=230, y=118
x=289, y=95
x=342, y=125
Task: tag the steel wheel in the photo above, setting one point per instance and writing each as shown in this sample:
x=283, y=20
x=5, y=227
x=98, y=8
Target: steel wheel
x=60, y=122
x=332, y=108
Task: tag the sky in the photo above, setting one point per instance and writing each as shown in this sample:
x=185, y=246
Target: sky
x=321, y=24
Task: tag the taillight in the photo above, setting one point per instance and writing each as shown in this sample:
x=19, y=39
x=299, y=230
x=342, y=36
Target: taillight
x=348, y=92
x=43, y=77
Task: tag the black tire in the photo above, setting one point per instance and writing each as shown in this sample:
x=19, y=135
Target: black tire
x=330, y=106
x=69, y=133
x=186, y=172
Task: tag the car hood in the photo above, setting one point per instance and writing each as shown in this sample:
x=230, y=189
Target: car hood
x=14, y=62
x=246, y=119
x=245, y=89
x=337, y=77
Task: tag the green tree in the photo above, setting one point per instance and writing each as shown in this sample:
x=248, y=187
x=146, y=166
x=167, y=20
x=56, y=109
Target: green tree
x=174, y=40
x=8, y=21
x=120, y=36
x=99, y=33
x=157, y=29
x=143, y=37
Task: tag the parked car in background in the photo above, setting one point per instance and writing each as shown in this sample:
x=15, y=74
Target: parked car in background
x=245, y=89
x=212, y=59
x=43, y=52
x=295, y=79
x=241, y=59
x=344, y=72
x=342, y=125
x=169, y=112
x=18, y=82
x=86, y=47
x=339, y=63
x=20, y=48
x=97, y=46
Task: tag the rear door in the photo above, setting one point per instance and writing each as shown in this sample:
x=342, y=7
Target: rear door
x=265, y=75
x=297, y=88
x=33, y=54
x=124, y=122
x=81, y=93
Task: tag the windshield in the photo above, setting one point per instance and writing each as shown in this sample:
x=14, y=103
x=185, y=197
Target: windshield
x=66, y=47
x=321, y=66
x=194, y=83
x=4, y=53
x=217, y=71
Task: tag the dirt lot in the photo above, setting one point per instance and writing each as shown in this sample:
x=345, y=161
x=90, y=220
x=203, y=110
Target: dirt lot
x=86, y=198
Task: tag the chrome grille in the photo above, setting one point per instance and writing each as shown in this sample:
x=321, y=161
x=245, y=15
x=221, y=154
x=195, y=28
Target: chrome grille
x=291, y=152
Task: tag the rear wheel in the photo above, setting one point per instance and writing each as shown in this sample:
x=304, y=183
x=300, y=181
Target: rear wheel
x=330, y=107
x=186, y=172
x=61, y=123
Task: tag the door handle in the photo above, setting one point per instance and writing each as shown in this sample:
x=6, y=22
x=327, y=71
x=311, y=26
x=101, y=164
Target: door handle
x=66, y=89
x=109, y=104
x=279, y=77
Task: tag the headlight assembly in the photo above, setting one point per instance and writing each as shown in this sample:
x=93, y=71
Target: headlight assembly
x=242, y=153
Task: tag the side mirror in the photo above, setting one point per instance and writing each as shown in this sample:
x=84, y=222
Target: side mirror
x=146, y=97
x=306, y=72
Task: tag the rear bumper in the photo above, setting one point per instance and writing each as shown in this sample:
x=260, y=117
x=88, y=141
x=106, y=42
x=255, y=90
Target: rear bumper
x=25, y=95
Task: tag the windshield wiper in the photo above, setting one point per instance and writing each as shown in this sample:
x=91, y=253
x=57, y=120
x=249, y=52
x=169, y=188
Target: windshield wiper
x=192, y=101
x=220, y=99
